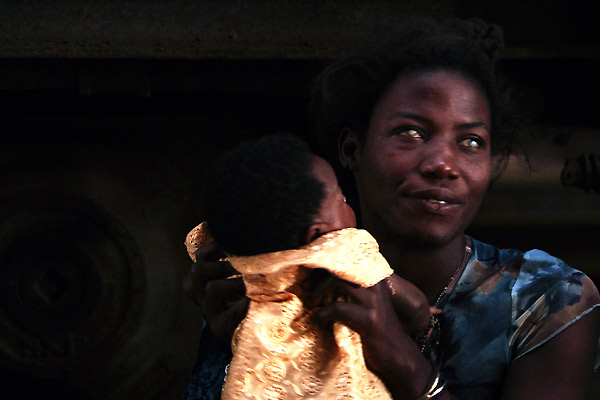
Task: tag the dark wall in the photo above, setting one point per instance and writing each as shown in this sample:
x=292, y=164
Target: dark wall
x=111, y=110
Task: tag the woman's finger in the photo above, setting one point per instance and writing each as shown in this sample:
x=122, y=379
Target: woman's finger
x=209, y=252
x=220, y=293
x=349, y=314
x=406, y=297
x=319, y=284
x=225, y=305
x=224, y=322
x=208, y=271
x=410, y=304
x=361, y=295
x=200, y=273
x=224, y=325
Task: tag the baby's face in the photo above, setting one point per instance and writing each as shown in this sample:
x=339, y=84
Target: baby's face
x=335, y=212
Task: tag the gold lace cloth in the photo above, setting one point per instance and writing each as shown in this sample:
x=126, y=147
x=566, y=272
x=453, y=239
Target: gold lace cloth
x=278, y=351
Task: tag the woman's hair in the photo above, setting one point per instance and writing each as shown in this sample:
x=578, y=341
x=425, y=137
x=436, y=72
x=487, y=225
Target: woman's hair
x=262, y=196
x=346, y=92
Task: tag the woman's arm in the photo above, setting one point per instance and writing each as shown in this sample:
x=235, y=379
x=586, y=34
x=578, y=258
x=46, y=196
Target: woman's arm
x=560, y=368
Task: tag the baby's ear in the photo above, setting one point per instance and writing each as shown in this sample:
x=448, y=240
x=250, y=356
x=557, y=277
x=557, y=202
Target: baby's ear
x=314, y=231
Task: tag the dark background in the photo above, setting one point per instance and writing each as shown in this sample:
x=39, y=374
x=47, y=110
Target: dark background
x=111, y=109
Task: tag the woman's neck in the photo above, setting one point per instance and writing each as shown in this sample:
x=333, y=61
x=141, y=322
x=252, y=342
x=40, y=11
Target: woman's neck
x=428, y=267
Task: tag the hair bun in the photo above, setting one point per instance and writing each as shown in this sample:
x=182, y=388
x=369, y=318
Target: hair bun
x=490, y=37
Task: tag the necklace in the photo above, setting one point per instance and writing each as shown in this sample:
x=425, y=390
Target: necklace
x=429, y=341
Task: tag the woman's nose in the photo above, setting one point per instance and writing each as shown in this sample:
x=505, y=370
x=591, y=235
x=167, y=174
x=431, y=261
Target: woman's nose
x=439, y=162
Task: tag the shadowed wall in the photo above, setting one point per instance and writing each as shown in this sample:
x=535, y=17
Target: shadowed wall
x=111, y=109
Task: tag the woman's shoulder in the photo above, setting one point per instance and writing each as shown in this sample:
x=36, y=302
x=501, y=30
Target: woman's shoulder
x=524, y=297
x=536, y=273
x=526, y=265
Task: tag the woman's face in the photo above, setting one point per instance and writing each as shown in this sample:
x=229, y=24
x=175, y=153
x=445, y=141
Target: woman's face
x=425, y=163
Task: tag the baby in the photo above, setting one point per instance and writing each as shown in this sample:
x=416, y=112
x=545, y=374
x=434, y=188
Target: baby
x=277, y=211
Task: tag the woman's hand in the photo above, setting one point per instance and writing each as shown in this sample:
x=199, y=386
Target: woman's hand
x=221, y=298
x=410, y=304
x=380, y=315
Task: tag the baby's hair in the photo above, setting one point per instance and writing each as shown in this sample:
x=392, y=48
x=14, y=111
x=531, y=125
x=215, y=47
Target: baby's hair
x=262, y=195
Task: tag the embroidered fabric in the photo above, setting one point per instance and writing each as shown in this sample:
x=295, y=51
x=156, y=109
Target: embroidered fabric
x=278, y=352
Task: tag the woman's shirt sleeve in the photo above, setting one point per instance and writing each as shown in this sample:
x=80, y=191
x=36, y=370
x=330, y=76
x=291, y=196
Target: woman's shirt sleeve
x=548, y=296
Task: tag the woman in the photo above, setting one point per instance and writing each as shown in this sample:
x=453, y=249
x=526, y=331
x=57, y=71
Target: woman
x=419, y=124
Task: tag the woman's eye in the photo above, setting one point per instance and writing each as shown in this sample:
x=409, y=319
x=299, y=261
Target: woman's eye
x=471, y=142
x=408, y=132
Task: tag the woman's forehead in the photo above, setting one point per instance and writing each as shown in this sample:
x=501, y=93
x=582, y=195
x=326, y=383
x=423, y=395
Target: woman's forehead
x=433, y=91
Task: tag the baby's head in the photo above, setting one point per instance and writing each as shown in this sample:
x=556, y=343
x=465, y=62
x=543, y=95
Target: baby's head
x=272, y=194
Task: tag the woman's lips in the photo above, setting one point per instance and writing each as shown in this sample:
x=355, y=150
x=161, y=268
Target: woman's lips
x=438, y=201
x=436, y=206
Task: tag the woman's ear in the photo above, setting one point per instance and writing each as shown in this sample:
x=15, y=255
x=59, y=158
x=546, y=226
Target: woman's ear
x=499, y=164
x=349, y=149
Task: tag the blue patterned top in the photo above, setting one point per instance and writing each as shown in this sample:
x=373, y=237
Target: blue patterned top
x=208, y=375
x=505, y=304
